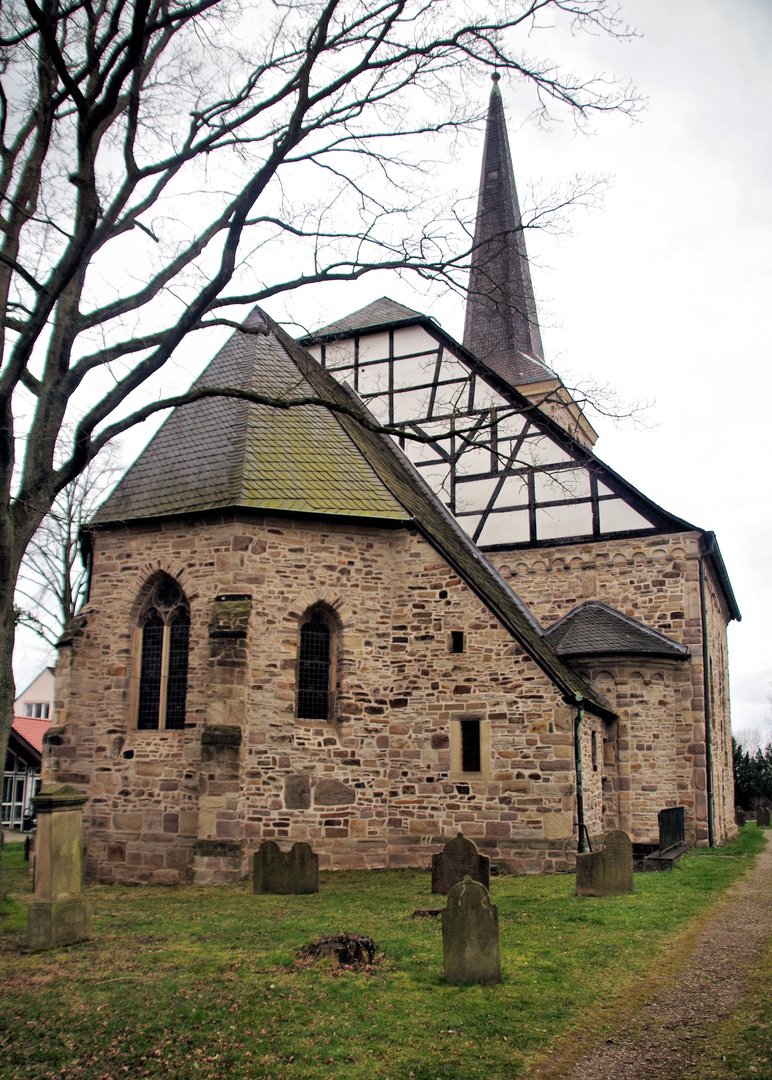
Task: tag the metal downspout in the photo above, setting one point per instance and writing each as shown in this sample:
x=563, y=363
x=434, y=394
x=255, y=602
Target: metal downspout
x=706, y=695
x=582, y=829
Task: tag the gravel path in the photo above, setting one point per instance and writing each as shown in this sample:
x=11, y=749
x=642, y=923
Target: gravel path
x=669, y=1033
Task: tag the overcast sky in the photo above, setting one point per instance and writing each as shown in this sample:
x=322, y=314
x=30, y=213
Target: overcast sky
x=665, y=292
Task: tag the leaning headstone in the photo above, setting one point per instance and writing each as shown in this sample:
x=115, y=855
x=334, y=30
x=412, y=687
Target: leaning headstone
x=302, y=869
x=608, y=871
x=457, y=860
x=58, y=914
x=470, y=935
x=282, y=874
x=762, y=816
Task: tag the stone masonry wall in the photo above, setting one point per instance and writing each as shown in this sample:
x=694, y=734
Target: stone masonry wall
x=658, y=748
x=374, y=787
x=724, y=824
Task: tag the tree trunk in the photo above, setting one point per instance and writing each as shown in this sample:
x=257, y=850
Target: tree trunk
x=7, y=685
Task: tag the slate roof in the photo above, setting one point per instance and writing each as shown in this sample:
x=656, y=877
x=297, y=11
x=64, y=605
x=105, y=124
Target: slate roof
x=369, y=317
x=226, y=453
x=501, y=325
x=595, y=629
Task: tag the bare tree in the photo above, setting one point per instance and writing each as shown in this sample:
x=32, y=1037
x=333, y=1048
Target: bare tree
x=749, y=739
x=53, y=578
x=165, y=162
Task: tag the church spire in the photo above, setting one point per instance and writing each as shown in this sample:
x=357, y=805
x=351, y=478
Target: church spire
x=501, y=323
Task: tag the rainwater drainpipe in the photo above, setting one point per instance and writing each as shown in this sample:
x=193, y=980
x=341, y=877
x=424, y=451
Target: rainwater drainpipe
x=582, y=846
x=706, y=691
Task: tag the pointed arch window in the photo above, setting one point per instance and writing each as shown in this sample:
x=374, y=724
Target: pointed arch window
x=163, y=631
x=316, y=666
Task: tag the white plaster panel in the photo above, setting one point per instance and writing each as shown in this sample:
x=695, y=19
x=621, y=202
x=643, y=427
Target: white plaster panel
x=565, y=484
x=474, y=494
x=469, y=524
x=485, y=397
x=415, y=370
x=339, y=353
x=453, y=368
x=542, y=451
x=413, y=339
x=556, y=521
x=419, y=451
x=373, y=378
x=511, y=528
x=617, y=516
x=411, y=404
x=379, y=407
x=374, y=347
x=475, y=459
x=438, y=478
x=510, y=426
x=450, y=398
x=514, y=492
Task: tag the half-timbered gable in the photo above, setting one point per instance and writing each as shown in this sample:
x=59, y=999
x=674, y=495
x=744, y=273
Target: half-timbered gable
x=509, y=472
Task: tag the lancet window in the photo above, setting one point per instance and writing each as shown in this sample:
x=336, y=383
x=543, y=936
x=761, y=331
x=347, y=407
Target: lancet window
x=163, y=632
x=316, y=666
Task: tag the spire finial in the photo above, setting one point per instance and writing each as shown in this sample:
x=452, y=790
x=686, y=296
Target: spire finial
x=495, y=76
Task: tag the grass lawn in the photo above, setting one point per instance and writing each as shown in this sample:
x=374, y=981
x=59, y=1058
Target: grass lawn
x=204, y=983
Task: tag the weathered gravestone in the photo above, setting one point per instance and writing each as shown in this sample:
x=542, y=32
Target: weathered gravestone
x=608, y=871
x=739, y=816
x=293, y=872
x=58, y=914
x=457, y=860
x=762, y=816
x=470, y=935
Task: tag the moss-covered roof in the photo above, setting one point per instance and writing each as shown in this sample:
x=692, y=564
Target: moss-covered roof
x=225, y=452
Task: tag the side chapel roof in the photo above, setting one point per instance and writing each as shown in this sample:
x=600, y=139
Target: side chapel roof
x=219, y=453
x=595, y=629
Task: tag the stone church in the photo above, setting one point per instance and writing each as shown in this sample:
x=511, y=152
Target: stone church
x=302, y=628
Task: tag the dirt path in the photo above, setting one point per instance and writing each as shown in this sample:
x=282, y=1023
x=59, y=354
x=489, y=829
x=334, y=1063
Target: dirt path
x=669, y=1033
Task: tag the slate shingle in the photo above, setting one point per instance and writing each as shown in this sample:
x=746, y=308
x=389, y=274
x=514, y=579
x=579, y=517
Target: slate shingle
x=595, y=629
x=221, y=452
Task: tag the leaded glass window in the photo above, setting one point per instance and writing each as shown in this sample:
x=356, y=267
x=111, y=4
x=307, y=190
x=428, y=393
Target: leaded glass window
x=164, y=630
x=316, y=666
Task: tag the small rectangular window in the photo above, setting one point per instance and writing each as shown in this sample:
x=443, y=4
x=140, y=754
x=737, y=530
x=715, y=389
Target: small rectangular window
x=28, y=710
x=456, y=641
x=46, y=711
x=471, y=759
